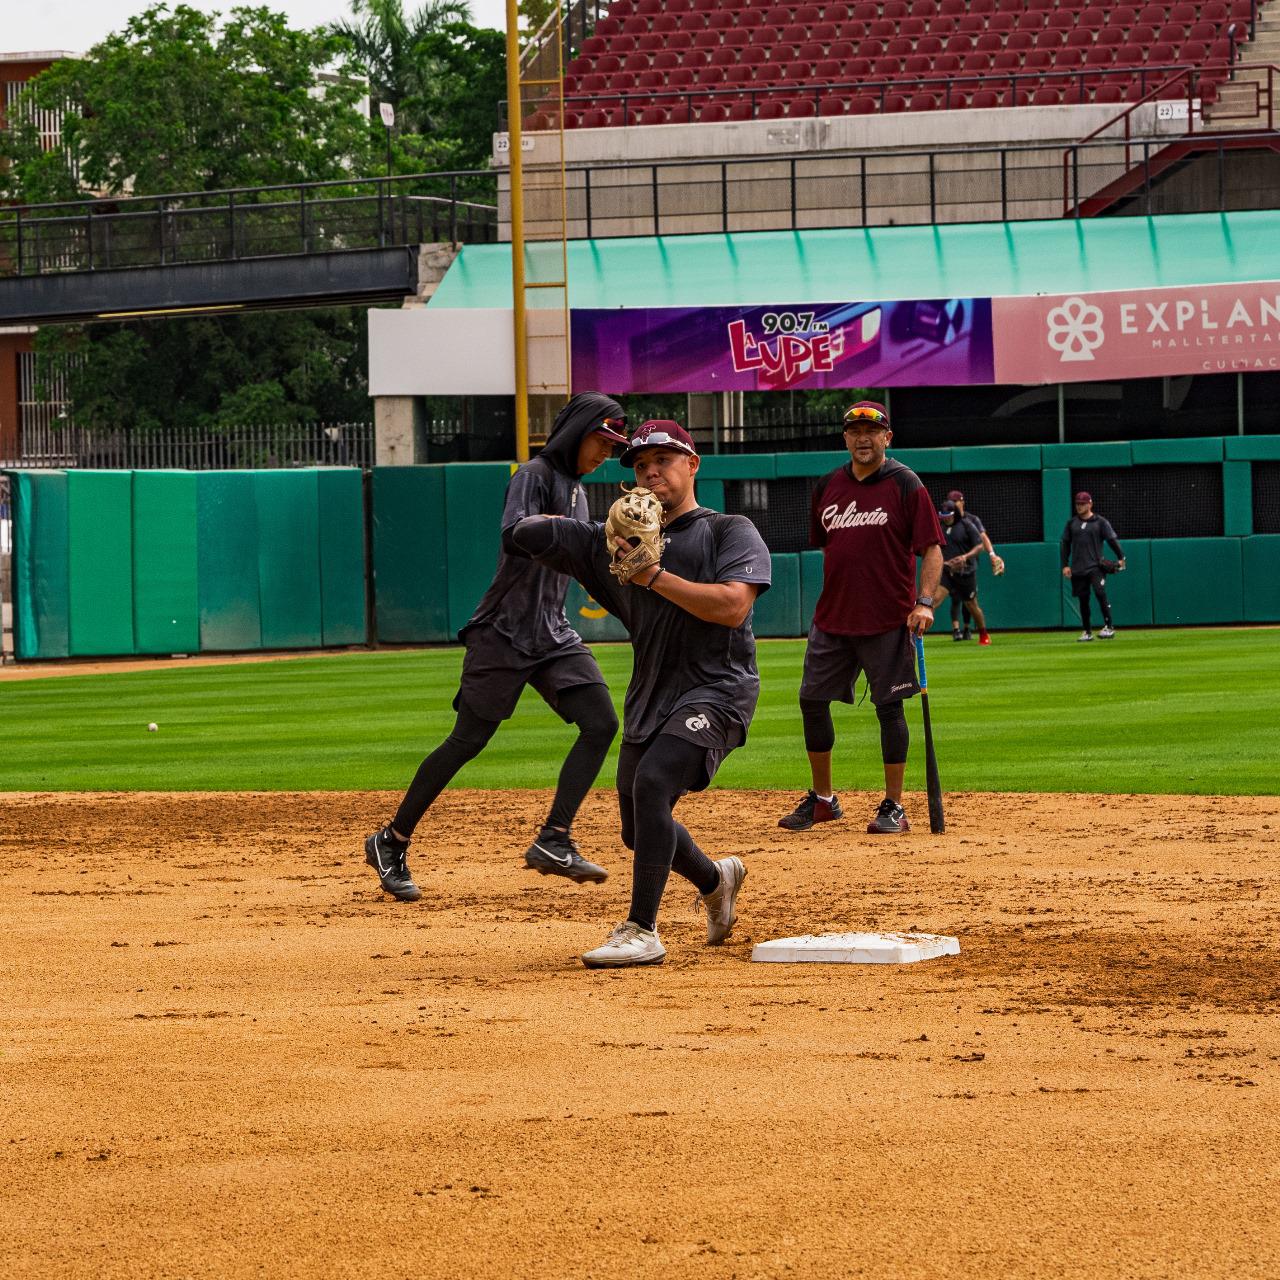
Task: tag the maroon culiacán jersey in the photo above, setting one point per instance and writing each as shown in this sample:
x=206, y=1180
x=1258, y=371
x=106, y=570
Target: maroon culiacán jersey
x=870, y=532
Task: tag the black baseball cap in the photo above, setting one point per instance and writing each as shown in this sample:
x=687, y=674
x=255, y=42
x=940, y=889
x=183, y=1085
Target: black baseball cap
x=948, y=508
x=658, y=433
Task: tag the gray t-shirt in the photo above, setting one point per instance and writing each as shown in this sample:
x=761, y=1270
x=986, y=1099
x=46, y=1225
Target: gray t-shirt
x=525, y=600
x=680, y=661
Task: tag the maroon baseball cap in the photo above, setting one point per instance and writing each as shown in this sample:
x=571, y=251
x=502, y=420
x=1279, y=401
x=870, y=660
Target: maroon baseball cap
x=866, y=410
x=614, y=429
x=1082, y=498
x=955, y=496
x=658, y=433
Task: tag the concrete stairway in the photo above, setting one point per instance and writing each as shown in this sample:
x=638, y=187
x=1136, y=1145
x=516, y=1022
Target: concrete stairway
x=1242, y=102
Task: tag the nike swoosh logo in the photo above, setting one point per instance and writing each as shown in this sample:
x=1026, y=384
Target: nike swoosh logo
x=565, y=861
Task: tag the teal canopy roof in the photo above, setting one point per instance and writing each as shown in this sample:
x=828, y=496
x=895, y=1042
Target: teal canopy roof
x=979, y=260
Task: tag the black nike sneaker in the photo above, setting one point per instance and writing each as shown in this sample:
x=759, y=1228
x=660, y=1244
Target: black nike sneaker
x=390, y=859
x=889, y=820
x=811, y=811
x=554, y=853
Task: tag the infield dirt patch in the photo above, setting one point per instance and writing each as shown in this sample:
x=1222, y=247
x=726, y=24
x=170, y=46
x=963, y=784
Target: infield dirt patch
x=227, y=1053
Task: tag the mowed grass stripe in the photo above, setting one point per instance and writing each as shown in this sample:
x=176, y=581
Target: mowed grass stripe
x=1153, y=711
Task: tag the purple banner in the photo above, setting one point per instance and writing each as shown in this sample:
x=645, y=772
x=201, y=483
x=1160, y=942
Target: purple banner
x=934, y=342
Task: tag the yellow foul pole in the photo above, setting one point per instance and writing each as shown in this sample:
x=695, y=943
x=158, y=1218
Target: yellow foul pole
x=516, y=172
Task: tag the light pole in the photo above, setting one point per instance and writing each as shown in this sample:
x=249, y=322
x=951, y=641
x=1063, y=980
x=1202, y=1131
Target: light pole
x=388, y=113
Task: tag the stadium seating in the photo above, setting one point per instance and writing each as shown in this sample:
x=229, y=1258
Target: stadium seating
x=687, y=61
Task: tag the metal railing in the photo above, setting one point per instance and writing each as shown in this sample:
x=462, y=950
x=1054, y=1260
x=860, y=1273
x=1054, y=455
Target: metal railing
x=311, y=444
x=256, y=222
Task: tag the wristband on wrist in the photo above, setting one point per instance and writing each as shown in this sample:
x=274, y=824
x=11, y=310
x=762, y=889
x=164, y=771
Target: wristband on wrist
x=649, y=585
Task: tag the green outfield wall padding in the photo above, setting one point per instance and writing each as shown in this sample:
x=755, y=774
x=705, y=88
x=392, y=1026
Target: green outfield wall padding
x=1237, y=499
x=996, y=457
x=810, y=587
x=166, y=590
x=1195, y=449
x=41, y=621
x=228, y=541
x=1251, y=448
x=1114, y=453
x=1261, y=577
x=588, y=619
x=289, y=559
x=340, y=495
x=1055, y=491
x=1130, y=591
x=410, y=555
x=737, y=466
x=777, y=611
x=473, y=497
x=711, y=493
x=1196, y=580
x=100, y=562
x=812, y=464
x=1027, y=594
x=924, y=461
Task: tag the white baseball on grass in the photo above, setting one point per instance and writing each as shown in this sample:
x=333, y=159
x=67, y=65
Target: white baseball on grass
x=152, y=727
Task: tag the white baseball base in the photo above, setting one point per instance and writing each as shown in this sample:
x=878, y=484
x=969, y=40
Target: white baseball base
x=856, y=948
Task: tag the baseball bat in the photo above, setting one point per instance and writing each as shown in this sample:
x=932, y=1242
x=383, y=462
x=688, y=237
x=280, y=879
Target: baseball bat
x=937, y=821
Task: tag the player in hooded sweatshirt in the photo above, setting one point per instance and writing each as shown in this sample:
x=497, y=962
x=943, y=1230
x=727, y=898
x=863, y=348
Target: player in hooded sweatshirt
x=519, y=635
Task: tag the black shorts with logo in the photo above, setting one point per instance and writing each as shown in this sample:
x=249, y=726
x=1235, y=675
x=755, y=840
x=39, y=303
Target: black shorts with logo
x=832, y=665
x=494, y=674
x=703, y=724
x=964, y=586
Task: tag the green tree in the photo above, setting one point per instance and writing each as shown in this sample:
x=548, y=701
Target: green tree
x=182, y=101
x=384, y=40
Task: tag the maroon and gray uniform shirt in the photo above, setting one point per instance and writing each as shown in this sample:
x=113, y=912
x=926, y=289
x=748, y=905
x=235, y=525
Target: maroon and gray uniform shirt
x=870, y=532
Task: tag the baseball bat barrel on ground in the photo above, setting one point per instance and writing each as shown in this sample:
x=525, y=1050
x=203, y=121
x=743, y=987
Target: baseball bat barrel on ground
x=937, y=820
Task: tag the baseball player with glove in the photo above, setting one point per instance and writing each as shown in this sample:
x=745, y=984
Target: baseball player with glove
x=682, y=579
x=997, y=567
x=1083, y=563
x=960, y=570
x=519, y=635
x=872, y=518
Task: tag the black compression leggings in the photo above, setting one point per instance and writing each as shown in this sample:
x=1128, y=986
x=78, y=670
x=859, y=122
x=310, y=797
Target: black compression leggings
x=586, y=705
x=1099, y=584
x=652, y=776
x=820, y=730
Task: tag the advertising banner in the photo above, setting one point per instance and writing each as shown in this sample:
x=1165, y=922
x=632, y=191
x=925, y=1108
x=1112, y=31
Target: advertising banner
x=1140, y=333
x=802, y=346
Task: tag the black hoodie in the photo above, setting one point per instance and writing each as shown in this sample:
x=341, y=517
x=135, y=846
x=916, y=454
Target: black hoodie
x=525, y=601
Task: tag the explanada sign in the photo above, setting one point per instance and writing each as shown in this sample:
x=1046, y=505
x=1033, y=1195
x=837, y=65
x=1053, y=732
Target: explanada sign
x=1142, y=333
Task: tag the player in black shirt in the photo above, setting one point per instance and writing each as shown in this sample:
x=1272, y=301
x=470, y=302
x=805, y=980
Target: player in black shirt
x=519, y=635
x=694, y=681
x=960, y=569
x=1081, y=549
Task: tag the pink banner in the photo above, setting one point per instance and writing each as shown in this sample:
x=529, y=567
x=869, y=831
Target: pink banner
x=1141, y=333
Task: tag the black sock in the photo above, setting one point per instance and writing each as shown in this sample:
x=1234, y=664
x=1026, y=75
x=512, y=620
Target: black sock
x=691, y=863
x=389, y=834
x=647, y=883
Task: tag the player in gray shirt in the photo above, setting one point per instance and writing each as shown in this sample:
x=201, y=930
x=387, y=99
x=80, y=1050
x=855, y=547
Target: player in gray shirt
x=694, y=682
x=519, y=635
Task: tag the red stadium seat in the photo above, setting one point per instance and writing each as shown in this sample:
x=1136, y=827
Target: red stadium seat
x=606, y=27
x=829, y=71
x=651, y=115
x=863, y=104
x=1130, y=55
x=985, y=100
x=1145, y=36
x=721, y=20
x=923, y=8
x=882, y=29
x=896, y=10
x=1036, y=60
x=960, y=45
x=1079, y=39
x=1020, y=40
x=771, y=110
x=946, y=64
x=988, y=42
x=665, y=24
x=922, y=102
x=929, y=45
x=1050, y=39
x=651, y=80
x=723, y=57
x=755, y=56
x=738, y=38
x=739, y=111
x=1173, y=33
x=894, y=102
x=833, y=106
x=1161, y=54
x=713, y=113
x=972, y=24
x=680, y=78
x=918, y=64
x=1063, y=20
x=900, y=47
x=636, y=63
x=1109, y=93
x=886, y=68
x=801, y=109
x=1001, y=22
x=1046, y=98
x=976, y=64
x=1068, y=59
x=1006, y=61
x=1111, y=36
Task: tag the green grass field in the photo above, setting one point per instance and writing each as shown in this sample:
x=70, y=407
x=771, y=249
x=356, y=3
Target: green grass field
x=1153, y=711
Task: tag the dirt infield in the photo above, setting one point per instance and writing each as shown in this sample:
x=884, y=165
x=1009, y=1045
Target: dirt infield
x=226, y=1054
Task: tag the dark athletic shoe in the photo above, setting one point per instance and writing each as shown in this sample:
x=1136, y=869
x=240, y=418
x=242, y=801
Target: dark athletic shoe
x=553, y=853
x=889, y=820
x=390, y=860
x=811, y=810
x=967, y=635
x=955, y=635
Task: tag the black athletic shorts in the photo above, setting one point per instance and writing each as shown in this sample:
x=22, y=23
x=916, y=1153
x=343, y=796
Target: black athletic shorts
x=494, y=674
x=832, y=665
x=964, y=586
x=1081, y=582
x=707, y=726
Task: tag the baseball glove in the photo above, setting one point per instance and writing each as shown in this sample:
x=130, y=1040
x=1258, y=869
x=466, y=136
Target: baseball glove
x=997, y=564
x=637, y=517
x=1111, y=566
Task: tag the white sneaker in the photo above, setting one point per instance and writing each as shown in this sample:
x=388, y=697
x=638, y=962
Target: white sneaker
x=721, y=917
x=628, y=944
x=1106, y=633
x=1083, y=636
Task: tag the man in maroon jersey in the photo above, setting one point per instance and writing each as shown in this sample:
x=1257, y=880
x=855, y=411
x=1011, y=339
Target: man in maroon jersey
x=872, y=517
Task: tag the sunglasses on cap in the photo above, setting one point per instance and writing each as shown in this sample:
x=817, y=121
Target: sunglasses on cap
x=872, y=417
